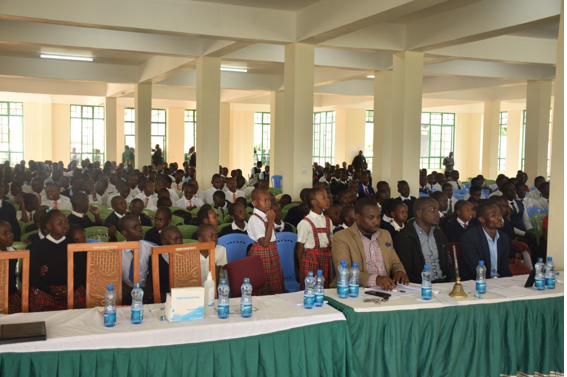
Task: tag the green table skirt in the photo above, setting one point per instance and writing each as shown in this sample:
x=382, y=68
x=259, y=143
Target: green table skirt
x=474, y=340
x=316, y=350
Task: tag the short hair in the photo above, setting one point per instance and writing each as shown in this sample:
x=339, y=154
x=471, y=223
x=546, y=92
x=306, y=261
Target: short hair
x=474, y=189
x=257, y=191
x=363, y=203
x=346, y=211
x=29, y=198
x=446, y=184
x=219, y=194
x=136, y=200
x=125, y=220
x=164, y=201
x=165, y=210
x=75, y=228
x=421, y=203
x=79, y=198
x=506, y=185
x=169, y=229
x=115, y=199
x=538, y=178
x=483, y=208
x=163, y=190
x=204, y=227
x=460, y=204
x=401, y=183
x=501, y=178
x=233, y=207
x=215, y=176
x=312, y=194
x=242, y=201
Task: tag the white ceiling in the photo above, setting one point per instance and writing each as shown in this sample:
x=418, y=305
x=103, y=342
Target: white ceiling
x=287, y=5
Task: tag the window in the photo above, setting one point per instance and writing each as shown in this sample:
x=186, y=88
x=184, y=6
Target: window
x=369, y=138
x=324, y=137
x=12, y=132
x=158, y=128
x=190, y=131
x=437, y=139
x=87, y=133
x=502, y=140
x=549, y=144
x=262, y=138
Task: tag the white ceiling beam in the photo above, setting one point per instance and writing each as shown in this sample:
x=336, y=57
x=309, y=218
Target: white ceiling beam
x=326, y=76
x=330, y=57
x=384, y=37
x=491, y=69
x=160, y=68
x=503, y=93
x=449, y=84
x=52, y=87
x=478, y=21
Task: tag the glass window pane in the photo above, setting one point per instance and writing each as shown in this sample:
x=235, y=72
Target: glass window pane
x=11, y=132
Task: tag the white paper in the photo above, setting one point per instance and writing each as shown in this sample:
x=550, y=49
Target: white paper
x=445, y=299
x=396, y=293
x=401, y=287
x=512, y=292
x=295, y=298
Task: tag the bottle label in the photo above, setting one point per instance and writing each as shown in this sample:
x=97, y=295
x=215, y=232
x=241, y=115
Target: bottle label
x=540, y=284
x=137, y=315
x=223, y=310
x=308, y=301
x=319, y=299
x=550, y=283
x=211, y=297
x=353, y=290
x=426, y=293
x=480, y=287
x=246, y=309
x=342, y=291
x=109, y=319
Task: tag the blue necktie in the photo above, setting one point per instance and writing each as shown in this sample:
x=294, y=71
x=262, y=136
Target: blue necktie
x=131, y=274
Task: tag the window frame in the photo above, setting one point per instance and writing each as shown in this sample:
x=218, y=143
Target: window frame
x=325, y=128
x=265, y=132
x=369, y=138
x=92, y=156
x=425, y=161
x=132, y=136
x=155, y=135
x=190, y=121
x=10, y=132
x=503, y=126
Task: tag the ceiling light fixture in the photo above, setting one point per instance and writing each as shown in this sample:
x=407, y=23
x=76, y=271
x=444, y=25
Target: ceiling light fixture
x=234, y=69
x=66, y=57
x=370, y=76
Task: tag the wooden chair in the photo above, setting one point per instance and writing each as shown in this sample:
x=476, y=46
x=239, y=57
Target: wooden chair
x=4, y=276
x=104, y=267
x=184, y=265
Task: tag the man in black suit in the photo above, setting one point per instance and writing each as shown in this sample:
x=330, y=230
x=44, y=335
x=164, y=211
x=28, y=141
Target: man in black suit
x=8, y=214
x=486, y=243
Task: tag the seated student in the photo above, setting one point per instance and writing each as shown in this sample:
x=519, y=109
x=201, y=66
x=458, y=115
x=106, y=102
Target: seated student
x=119, y=206
x=37, y=188
x=285, y=199
x=544, y=199
x=381, y=197
x=77, y=234
x=451, y=201
x=53, y=198
x=48, y=290
x=536, y=194
x=136, y=208
x=8, y=214
x=345, y=198
x=364, y=187
x=64, y=183
x=170, y=235
x=76, y=187
x=443, y=201
x=165, y=201
x=15, y=191
x=238, y=216
x=161, y=185
x=485, y=243
x=206, y=215
x=231, y=192
x=439, y=180
x=148, y=196
x=208, y=233
x=131, y=229
x=404, y=190
x=394, y=217
x=42, y=233
x=474, y=196
x=241, y=185
x=353, y=188
x=423, y=188
x=279, y=225
x=19, y=178
x=6, y=242
x=123, y=189
x=218, y=185
x=294, y=215
x=28, y=205
x=334, y=214
x=162, y=219
x=347, y=218
x=500, y=180
x=454, y=180
x=78, y=216
x=521, y=196
x=133, y=184
x=460, y=224
x=162, y=193
x=518, y=216
x=173, y=193
x=88, y=186
x=430, y=181
x=341, y=184
x=421, y=243
x=327, y=176
x=189, y=200
x=220, y=202
x=242, y=201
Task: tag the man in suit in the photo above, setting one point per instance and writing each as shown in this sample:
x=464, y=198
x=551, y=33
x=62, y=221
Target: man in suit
x=372, y=248
x=421, y=243
x=486, y=243
x=364, y=187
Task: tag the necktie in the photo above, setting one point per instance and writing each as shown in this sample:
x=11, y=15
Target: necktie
x=147, y=200
x=458, y=185
x=233, y=198
x=465, y=226
x=190, y=203
x=366, y=191
x=39, y=197
x=450, y=206
x=131, y=273
x=55, y=206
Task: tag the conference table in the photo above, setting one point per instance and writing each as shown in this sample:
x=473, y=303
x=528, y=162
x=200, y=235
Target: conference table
x=281, y=339
x=510, y=330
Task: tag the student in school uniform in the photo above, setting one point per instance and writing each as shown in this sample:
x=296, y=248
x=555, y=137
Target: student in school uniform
x=265, y=175
x=474, y=196
x=395, y=215
x=206, y=215
x=80, y=203
x=6, y=242
x=347, y=218
x=136, y=209
x=123, y=191
x=19, y=178
x=231, y=192
x=218, y=185
x=102, y=191
x=162, y=219
x=133, y=183
x=442, y=200
x=364, y=187
x=279, y=224
x=314, y=238
x=42, y=232
x=8, y=214
x=454, y=180
x=170, y=235
x=37, y=188
x=404, y=190
x=295, y=214
x=521, y=196
x=220, y=203
x=334, y=214
x=238, y=216
x=261, y=231
x=500, y=180
x=93, y=197
x=544, y=199
x=423, y=186
x=536, y=193
x=15, y=191
x=119, y=206
x=448, y=190
x=161, y=183
x=518, y=215
x=461, y=223
x=28, y=205
x=439, y=180
x=76, y=186
x=189, y=200
x=208, y=233
x=327, y=176
x=241, y=186
x=148, y=196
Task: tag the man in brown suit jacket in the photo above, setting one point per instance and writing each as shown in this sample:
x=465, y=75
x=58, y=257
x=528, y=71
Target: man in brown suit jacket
x=349, y=246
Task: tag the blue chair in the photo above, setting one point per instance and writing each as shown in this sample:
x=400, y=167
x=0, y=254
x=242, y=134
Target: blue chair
x=467, y=185
x=286, y=244
x=277, y=181
x=485, y=193
x=236, y=245
x=459, y=196
x=534, y=210
x=423, y=195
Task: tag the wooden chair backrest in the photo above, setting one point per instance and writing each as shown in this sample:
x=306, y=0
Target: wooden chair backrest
x=184, y=265
x=104, y=267
x=5, y=257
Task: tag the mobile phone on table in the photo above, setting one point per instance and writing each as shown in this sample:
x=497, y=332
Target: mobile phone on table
x=379, y=294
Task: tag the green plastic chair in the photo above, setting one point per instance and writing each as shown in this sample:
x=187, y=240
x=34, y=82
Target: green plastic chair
x=227, y=219
x=176, y=220
x=275, y=191
x=220, y=227
x=149, y=212
x=489, y=182
x=24, y=225
x=293, y=228
x=26, y=236
x=195, y=210
x=538, y=220
x=289, y=206
x=66, y=212
x=120, y=237
x=99, y=233
x=248, y=198
x=250, y=210
x=284, y=214
x=99, y=206
x=188, y=240
x=173, y=209
x=13, y=202
x=220, y=215
x=187, y=230
x=19, y=245
x=146, y=228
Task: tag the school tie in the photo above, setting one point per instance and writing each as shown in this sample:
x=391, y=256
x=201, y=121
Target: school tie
x=465, y=226
x=147, y=200
x=39, y=197
x=513, y=206
x=450, y=206
x=190, y=203
x=131, y=273
x=366, y=191
x=55, y=206
x=233, y=198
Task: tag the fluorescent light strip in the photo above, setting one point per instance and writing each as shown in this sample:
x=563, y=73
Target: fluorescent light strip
x=234, y=69
x=65, y=57
x=370, y=76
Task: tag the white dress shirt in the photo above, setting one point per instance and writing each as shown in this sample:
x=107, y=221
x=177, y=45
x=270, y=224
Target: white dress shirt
x=127, y=256
x=63, y=203
x=525, y=219
x=305, y=232
x=209, y=195
x=534, y=194
x=230, y=195
x=257, y=228
x=149, y=201
x=185, y=203
x=19, y=215
x=173, y=195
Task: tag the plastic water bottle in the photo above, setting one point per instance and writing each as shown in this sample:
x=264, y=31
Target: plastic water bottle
x=342, y=281
x=246, y=299
x=353, y=281
x=319, y=288
x=481, y=278
x=550, y=274
x=209, y=294
x=539, y=275
x=309, y=292
x=110, y=307
x=137, y=305
x=223, y=306
x=426, y=283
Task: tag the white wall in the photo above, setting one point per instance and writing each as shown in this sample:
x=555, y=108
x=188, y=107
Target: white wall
x=350, y=128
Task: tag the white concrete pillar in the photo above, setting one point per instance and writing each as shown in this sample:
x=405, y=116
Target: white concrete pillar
x=110, y=150
x=276, y=131
x=407, y=83
x=224, y=137
x=208, y=119
x=175, y=135
x=538, y=103
x=143, y=106
x=513, y=142
x=350, y=127
x=297, y=140
x=381, y=165
x=46, y=129
x=556, y=230
x=490, y=130
x=120, y=142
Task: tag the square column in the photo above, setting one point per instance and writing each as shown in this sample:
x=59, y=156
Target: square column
x=224, y=136
x=490, y=130
x=110, y=149
x=176, y=135
x=538, y=103
x=208, y=119
x=407, y=84
x=513, y=141
x=297, y=141
x=276, y=132
x=382, y=146
x=143, y=105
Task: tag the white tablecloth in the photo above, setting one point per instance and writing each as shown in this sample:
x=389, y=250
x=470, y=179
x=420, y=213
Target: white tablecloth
x=443, y=299
x=84, y=330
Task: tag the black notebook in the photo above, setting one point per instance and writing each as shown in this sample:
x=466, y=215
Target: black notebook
x=22, y=332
